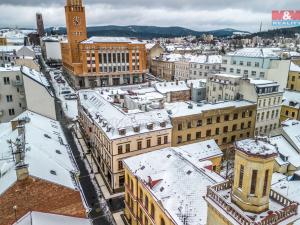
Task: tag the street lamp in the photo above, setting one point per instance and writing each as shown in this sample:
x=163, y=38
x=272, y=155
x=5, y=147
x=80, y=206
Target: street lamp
x=15, y=211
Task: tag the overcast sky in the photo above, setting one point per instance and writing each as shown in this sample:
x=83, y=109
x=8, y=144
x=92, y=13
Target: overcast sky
x=195, y=14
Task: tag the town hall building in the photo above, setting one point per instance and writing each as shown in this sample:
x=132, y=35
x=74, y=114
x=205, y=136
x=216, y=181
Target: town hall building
x=99, y=61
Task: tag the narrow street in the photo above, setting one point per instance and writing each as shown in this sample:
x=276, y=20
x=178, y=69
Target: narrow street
x=99, y=212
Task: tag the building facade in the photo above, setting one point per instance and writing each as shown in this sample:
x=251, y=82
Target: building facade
x=250, y=194
x=12, y=94
x=294, y=77
x=114, y=134
x=99, y=61
x=166, y=186
x=260, y=63
x=224, y=122
x=224, y=87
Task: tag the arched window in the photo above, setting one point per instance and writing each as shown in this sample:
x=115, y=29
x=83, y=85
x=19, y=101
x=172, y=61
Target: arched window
x=152, y=211
x=162, y=221
x=146, y=202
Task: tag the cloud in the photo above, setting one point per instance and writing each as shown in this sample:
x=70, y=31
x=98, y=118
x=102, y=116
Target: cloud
x=195, y=14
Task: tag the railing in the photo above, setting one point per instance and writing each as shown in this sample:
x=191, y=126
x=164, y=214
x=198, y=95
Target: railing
x=289, y=209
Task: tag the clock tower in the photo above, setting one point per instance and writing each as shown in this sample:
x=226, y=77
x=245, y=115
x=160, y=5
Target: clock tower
x=76, y=27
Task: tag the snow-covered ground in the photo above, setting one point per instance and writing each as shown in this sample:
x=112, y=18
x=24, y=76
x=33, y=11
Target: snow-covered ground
x=69, y=106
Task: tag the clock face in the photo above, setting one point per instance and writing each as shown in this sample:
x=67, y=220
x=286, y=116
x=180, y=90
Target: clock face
x=76, y=20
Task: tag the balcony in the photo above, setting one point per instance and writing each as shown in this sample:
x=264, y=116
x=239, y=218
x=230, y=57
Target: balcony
x=287, y=210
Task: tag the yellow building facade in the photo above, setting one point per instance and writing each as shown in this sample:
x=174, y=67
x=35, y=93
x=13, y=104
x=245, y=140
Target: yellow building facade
x=99, y=61
x=294, y=77
x=223, y=122
x=3, y=41
x=249, y=196
x=159, y=191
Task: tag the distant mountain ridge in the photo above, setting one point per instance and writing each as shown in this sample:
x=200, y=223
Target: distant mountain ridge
x=146, y=31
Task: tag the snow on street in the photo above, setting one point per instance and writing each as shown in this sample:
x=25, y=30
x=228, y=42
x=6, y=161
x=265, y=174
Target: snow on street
x=69, y=106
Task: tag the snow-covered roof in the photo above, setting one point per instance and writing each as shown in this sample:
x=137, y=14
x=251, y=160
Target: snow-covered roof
x=256, y=147
x=150, y=45
x=291, y=131
x=225, y=75
x=262, y=82
x=286, y=150
x=10, y=69
x=173, y=86
x=180, y=109
x=255, y=53
x=180, y=183
x=10, y=48
x=36, y=76
x=94, y=39
x=47, y=150
x=287, y=186
x=171, y=57
x=291, y=99
x=209, y=59
x=39, y=218
x=115, y=118
x=294, y=67
x=198, y=83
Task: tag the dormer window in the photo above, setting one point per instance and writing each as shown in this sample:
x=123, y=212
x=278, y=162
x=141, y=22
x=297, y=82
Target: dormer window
x=104, y=123
x=150, y=126
x=162, y=124
x=122, y=131
x=136, y=128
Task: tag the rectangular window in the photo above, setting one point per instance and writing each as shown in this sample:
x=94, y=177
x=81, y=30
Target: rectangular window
x=159, y=141
x=199, y=123
x=188, y=137
x=120, y=165
x=148, y=143
x=209, y=121
x=179, y=139
x=120, y=149
x=165, y=139
x=198, y=135
x=266, y=183
x=189, y=125
x=6, y=80
x=127, y=147
x=11, y=112
x=253, y=182
x=139, y=145
x=9, y=98
x=179, y=127
x=241, y=176
x=208, y=133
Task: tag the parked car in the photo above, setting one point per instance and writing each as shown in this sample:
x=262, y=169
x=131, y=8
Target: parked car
x=60, y=81
x=70, y=97
x=56, y=77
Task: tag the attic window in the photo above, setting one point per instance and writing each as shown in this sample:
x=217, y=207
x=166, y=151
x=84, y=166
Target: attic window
x=143, y=167
x=208, y=146
x=188, y=172
x=163, y=124
x=162, y=189
x=47, y=136
x=58, y=152
x=168, y=156
x=122, y=131
x=136, y=128
x=150, y=126
x=53, y=172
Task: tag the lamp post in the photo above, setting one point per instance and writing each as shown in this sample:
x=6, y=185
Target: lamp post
x=15, y=211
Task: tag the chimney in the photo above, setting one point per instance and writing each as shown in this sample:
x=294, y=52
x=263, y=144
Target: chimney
x=22, y=171
x=176, y=82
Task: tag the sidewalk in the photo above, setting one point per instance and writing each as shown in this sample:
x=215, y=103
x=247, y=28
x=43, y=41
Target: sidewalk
x=117, y=217
x=106, y=194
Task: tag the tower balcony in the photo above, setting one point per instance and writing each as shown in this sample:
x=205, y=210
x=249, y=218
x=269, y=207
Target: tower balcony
x=280, y=208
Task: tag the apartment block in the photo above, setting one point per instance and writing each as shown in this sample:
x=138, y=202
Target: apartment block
x=12, y=94
x=258, y=63
x=114, y=134
x=294, y=77
x=225, y=122
x=167, y=186
x=267, y=95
